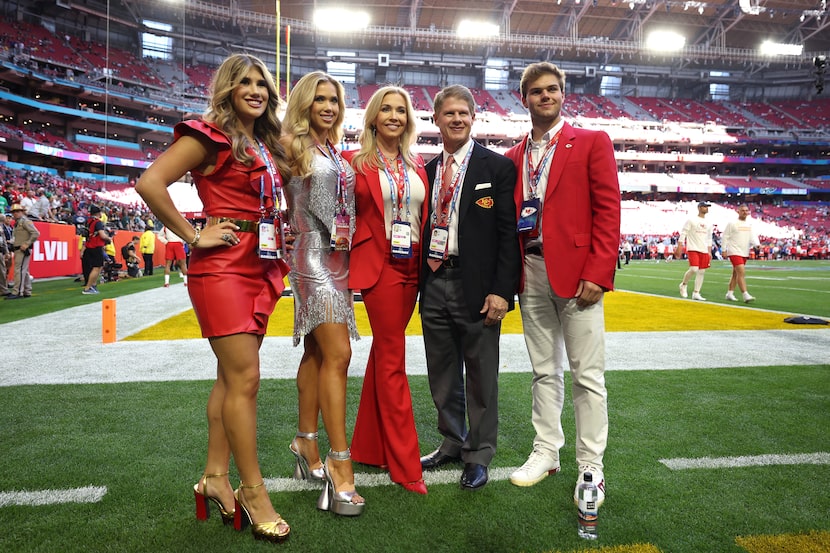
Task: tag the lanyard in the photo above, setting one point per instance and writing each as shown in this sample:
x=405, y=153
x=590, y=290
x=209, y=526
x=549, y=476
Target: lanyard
x=440, y=204
x=534, y=174
x=342, y=194
x=398, y=186
x=276, y=181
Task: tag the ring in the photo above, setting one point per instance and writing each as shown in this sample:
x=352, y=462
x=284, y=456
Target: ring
x=227, y=238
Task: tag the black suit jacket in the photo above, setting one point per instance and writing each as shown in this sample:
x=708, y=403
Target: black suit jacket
x=488, y=247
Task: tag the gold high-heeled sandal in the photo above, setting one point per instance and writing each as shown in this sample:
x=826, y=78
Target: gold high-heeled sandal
x=203, y=500
x=340, y=503
x=302, y=469
x=275, y=531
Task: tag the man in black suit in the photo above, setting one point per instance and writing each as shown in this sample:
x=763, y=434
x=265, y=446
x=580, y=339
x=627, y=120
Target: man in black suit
x=470, y=275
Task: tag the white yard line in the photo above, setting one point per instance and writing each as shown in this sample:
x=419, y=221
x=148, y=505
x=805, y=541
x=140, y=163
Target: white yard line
x=89, y=494
x=370, y=480
x=820, y=458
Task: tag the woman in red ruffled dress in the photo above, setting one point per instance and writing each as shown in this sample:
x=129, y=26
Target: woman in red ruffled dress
x=235, y=279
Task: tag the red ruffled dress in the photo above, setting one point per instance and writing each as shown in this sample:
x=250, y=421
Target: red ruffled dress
x=232, y=289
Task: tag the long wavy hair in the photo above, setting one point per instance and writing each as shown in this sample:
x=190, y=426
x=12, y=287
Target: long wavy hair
x=367, y=160
x=298, y=142
x=221, y=112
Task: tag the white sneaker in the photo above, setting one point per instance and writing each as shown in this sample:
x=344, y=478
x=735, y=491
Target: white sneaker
x=698, y=297
x=748, y=298
x=731, y=296
x=596, y=477
x=684, y=293
x=535, y=469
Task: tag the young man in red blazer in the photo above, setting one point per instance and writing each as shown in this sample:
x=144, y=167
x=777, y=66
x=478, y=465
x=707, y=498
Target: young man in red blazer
x=568, y=202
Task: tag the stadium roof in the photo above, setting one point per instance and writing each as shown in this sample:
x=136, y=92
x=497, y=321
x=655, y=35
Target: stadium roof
x=562, y=26
x=720, y=34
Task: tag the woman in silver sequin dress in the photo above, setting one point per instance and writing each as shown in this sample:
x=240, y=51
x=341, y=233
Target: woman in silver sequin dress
x=321, y=206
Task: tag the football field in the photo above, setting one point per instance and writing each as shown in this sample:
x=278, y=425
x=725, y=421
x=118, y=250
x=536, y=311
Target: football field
x=718, y=415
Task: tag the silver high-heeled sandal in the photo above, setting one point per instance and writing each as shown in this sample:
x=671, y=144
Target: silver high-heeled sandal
x=302, y=471
x=339, y=503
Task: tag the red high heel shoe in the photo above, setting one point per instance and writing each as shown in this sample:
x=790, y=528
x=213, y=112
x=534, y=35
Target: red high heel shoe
x=203, y=500
x=416, y=487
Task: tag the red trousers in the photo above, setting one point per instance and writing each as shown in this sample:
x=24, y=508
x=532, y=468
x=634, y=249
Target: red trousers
x=384, y=432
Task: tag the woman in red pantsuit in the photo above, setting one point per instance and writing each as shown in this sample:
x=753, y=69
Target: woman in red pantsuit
x=385, y=262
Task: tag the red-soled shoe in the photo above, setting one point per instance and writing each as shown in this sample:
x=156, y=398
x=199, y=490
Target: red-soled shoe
x=203, y=500
x=275, y=531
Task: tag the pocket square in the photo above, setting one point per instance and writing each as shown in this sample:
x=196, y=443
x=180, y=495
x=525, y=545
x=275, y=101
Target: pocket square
x=486, y=202
x=483, y=185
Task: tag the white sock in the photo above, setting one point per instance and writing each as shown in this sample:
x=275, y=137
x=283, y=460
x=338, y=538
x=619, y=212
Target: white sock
x=698, y=281
x=167, y=279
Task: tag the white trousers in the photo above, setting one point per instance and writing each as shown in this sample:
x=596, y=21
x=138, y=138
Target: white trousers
x=555, y=329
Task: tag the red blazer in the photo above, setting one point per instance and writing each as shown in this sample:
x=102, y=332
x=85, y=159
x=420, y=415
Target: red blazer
x=369, y=244
x=580, y=210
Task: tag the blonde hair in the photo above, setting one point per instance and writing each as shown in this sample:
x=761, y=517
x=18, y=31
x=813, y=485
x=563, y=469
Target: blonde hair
x=298, y=142
x=221, y=112
x=366, y=159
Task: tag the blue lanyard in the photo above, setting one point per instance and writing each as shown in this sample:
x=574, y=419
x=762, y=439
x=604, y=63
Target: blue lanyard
x=276, y=181
x=436, y=186
x=395, y=186
x=342, y=192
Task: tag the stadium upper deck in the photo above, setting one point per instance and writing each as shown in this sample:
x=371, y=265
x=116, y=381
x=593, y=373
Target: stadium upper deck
x=80, y=105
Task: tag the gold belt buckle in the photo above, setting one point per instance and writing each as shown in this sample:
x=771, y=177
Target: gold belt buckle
x=243, y=224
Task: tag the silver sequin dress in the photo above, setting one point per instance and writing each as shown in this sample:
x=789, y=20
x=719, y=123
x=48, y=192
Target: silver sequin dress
x=319, y=277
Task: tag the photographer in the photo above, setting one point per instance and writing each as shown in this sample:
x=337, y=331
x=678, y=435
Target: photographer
x=23, y=236
x=93, y=256
x=130, y=257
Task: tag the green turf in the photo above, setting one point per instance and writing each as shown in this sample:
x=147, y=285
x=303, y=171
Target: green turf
x=789, y=286
x=50, y=295
x=145, y=443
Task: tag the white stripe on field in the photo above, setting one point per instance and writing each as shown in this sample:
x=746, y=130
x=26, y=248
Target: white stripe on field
x=365, y=480
x=820, y=458
x=89, y=494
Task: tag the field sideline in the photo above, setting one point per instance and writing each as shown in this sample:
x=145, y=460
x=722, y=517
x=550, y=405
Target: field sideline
x=650, y=331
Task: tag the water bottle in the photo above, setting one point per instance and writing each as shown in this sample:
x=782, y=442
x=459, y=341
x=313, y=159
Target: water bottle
x=587, y=505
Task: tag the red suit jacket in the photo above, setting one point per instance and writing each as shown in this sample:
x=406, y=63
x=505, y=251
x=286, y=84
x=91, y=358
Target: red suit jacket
x=369, y=244
x=580, y=210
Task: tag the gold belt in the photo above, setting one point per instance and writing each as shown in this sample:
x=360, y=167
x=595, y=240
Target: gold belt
x=243, y=224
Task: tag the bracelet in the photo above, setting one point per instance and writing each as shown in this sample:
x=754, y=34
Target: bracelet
x=195, y=238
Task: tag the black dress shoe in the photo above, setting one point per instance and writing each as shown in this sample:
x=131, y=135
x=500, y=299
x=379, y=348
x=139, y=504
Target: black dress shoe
x=14, y=297
x=474, y=476
x=436, y=459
